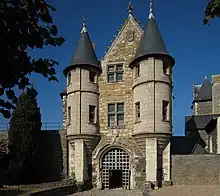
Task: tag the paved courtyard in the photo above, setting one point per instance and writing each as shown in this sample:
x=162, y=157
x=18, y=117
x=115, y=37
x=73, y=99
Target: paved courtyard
x=201, y=190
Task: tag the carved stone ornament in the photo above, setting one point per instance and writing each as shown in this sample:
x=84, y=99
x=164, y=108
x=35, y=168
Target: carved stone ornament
x=130, y=35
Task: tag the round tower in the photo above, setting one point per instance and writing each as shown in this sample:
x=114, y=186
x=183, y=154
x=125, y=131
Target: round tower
x=82, y=102
x=152, y=88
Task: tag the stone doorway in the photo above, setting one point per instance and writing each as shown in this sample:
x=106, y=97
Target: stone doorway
x=115, y=169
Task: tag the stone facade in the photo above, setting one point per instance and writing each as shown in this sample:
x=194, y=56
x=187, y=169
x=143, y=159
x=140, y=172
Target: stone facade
x=116, y=133
x=216, y=94
x=195, y=169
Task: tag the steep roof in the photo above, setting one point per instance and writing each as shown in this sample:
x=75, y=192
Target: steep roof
x=151, y=43
x=205, y=92
x=84, y=54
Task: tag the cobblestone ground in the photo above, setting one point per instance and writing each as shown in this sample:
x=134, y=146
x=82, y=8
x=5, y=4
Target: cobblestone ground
x=204, y=190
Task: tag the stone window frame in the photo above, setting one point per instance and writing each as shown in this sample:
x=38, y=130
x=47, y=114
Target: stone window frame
x=69, y=110
x=165, y=111
x=115, y=113
x=137, y=111
x=115, y=71
x=92, y=114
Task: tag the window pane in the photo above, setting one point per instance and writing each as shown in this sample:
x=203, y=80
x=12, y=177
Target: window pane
x=111, y=77
x=120, y=107
x=111, y=120
x=119, y=76
x=119, y=67
x=111, y=68
x=111, y=108
x=120, y=118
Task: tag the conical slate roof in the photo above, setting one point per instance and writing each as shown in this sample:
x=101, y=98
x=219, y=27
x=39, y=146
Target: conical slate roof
x=84, y=54
x=205, y=92
x=151, y=43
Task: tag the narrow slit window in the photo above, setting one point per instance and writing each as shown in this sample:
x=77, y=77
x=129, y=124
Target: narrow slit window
x=69, y=79
x=137, y=112
x=92, y=114
x=69, y=115
x=165, y=115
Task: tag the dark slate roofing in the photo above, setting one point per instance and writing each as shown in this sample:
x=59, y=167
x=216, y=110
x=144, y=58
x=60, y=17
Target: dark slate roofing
x=197, y=122
x=205, y=92
x=199, y=150
x=151, y=42
x=84, y=53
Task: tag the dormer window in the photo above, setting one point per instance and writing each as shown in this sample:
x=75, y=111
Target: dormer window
x=165, y=68
x=69, y=78
x=92, y=76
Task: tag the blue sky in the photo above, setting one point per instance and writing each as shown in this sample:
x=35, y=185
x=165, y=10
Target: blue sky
x=194, y=46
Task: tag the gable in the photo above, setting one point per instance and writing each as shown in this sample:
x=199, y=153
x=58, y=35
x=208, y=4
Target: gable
x=126, y=42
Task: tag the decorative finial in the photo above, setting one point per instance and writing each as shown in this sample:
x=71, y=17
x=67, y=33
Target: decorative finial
x=84, y=25
x=206, y=77
x=130, y=8
x=151, y=10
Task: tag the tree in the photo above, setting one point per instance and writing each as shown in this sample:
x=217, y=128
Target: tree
x=24, y=25
x=3, y=147
x=212, y=10
x=24, y=131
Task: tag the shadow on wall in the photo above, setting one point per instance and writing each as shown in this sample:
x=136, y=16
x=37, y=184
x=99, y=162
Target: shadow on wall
x=51, y=156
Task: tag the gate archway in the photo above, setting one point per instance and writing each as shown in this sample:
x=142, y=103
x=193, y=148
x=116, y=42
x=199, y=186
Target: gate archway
x=115, y=169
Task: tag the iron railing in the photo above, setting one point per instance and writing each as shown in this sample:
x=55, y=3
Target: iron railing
x=45, y=126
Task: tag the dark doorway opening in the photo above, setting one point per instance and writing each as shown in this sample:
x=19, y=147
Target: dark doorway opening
x=115, y=178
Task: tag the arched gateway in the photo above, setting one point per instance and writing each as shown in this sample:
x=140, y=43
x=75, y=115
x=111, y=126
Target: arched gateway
x=115, y=169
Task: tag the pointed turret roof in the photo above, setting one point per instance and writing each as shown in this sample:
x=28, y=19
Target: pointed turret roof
x=151, y=43
x=84, y=54
x=205, y=92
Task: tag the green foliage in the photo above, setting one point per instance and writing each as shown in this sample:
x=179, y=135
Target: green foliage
x=212, y=11
x=25, y=129
x=3, y=148
x=24, y=25
x=73, y=177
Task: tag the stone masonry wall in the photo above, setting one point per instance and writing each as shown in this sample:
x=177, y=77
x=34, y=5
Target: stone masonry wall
x=216, y=94
x=195, y=169
x=204, y=108
x=122, y=51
